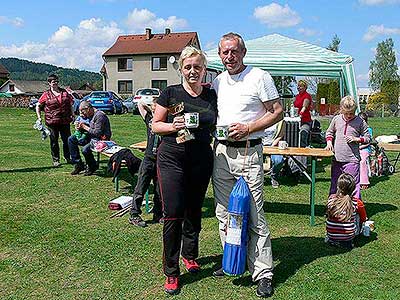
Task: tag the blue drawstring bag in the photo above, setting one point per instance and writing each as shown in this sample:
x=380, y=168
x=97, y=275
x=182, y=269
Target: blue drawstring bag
x=235, y=248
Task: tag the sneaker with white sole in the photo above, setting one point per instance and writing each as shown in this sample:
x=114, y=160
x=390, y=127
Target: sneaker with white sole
x=137, y=221
x=274, y=183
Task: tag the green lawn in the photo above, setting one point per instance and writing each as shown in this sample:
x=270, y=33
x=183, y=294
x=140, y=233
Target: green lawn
x=58, y=242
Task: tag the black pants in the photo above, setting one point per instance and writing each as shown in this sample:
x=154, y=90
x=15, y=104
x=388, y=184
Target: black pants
x=305, y=129
x=184, y=171
x=147, y=173
x=65, y=132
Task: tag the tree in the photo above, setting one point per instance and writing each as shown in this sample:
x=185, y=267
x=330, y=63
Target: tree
x=376, y=101
x=392, y=91
x=384, y=68
x=282, y=84
x=334, y=45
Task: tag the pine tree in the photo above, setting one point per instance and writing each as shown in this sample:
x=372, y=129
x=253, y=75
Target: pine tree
x=384, y=68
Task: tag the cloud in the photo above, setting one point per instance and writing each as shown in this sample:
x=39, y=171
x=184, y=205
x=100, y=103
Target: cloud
x=17, y=21
x=82, y=46
x=378, y=2
x=379, y=30
x=139, y=19
x=275, y=15
x=91, y=32
x=307, y=31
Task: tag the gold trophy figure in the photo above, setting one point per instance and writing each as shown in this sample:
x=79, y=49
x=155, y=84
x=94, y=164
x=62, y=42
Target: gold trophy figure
x=184, y=134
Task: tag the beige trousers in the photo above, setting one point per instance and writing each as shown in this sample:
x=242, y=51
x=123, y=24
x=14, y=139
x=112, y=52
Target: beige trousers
x=228, y=165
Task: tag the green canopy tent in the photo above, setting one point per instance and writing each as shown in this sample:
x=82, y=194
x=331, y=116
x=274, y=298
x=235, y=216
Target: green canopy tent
x=283, y=56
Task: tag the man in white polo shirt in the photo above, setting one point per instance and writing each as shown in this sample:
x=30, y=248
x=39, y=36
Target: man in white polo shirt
x=248, y=102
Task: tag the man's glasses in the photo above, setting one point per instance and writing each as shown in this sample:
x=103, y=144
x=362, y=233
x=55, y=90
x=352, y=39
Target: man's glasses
x=54, y=81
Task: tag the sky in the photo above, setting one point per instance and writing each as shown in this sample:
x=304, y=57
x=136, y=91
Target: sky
x=75, y=33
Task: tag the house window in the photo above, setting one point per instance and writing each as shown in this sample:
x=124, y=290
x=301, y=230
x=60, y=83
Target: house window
x=159, y=63
x=159, y=84
x=12, y=87
x=125, y=64
x=125, y=87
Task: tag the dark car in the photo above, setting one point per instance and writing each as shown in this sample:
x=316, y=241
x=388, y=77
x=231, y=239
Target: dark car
x=106, y=101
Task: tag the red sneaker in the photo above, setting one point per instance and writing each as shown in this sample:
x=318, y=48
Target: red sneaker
x=191, y=265
x=171, y=285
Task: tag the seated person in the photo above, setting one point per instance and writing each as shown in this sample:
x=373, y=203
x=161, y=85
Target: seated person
x=98, y=129
x=80, y=134
x=272, y=137
x=147, y=171
x=341, y=211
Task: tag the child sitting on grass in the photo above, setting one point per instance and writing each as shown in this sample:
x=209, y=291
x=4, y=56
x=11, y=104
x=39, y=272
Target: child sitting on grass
x=341, y=214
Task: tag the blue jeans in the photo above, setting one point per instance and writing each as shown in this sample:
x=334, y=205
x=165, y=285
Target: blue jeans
x=73, y=144
x=276, y=165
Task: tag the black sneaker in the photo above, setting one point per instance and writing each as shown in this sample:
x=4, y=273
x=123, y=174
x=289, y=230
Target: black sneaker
x=90, y=171
x=137, y=221
x=219, y=273
x=264, y=288
x=79, y=167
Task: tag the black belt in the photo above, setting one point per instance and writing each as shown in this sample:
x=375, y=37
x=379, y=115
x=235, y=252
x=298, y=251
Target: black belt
x=240, y=144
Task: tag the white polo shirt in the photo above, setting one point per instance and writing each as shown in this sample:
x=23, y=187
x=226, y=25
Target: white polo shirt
x=241, y=96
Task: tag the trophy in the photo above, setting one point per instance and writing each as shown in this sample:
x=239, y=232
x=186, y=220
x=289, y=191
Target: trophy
x=191, y=121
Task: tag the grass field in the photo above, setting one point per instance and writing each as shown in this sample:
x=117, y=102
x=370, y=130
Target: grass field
x=58, y=242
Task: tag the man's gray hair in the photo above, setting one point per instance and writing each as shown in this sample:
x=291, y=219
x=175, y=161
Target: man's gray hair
x=85, y=104
x=232, y=36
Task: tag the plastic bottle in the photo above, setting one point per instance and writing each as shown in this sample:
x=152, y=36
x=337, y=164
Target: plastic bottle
x=292, y=112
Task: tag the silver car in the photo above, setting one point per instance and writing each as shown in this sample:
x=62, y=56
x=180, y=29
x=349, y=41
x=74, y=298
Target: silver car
x=146, y=96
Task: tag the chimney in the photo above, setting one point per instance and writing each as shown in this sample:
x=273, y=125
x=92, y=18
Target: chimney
x=148, y=33
x=167, y=30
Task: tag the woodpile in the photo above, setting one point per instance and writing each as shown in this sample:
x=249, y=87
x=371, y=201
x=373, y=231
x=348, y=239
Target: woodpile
x=15, y=101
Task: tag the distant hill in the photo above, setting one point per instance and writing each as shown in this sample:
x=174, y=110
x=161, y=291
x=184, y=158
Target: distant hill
x=27, y=70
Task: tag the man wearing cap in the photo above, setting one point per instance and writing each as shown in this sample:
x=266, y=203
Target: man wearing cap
x=98, y=129
x=248, y=102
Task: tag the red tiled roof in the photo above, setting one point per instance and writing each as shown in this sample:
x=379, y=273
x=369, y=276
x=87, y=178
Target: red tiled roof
x=158, y=43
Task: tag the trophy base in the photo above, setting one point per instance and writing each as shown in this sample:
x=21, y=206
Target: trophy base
x=184, y=135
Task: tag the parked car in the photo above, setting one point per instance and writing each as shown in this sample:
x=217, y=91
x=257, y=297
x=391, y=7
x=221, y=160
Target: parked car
x=107, y=101
x=146, y=96
x=128, y=105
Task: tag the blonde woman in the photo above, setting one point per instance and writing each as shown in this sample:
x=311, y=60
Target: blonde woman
x=184, y=162
x=303, y=104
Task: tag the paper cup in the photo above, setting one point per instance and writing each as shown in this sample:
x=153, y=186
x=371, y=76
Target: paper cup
x=282, y=145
